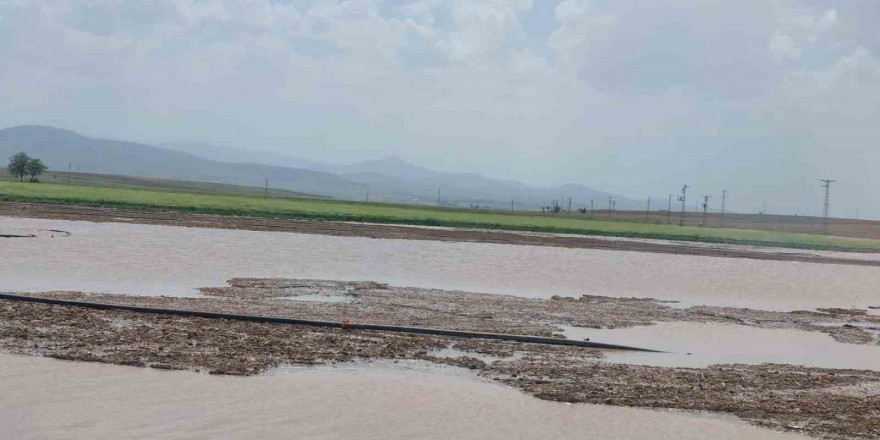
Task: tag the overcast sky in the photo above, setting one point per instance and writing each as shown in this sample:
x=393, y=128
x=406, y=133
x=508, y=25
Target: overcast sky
x=762, y=97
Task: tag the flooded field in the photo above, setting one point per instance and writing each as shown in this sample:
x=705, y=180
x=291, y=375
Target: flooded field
x=164, y=260
x=51, y=399
x=699, y=345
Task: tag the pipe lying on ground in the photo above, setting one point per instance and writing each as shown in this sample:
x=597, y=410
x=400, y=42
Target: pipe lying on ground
x=328, y=324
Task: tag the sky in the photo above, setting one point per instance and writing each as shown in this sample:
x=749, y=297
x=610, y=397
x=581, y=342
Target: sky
x=759, y=97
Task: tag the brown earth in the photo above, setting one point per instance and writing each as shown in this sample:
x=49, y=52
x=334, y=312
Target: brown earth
x=825, y=403
x=370, y=230
x=801, y=224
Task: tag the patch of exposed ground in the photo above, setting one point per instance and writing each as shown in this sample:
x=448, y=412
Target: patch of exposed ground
x=825, y=403
x=350, y=229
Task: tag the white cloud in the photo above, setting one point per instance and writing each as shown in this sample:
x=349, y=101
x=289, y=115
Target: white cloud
x=783, y=47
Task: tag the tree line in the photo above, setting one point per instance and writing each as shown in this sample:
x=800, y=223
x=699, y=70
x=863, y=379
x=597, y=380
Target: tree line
x=20, y=165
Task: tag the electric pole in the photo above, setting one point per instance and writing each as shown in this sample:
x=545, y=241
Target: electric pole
x=683, y=199
x=705, y=209
x=68, y=172
x=266, y=194
x=610, y=204
x=592, y=209
x=438, y=197
x=569, y=205
x=648, y=211
x=511, y=205
x=723, y=204
x=826, y=183
x=368, y=193
x=669, y=211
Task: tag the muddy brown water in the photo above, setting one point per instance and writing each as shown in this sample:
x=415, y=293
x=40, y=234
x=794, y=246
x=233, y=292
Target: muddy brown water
x=51, y=399
x=167, y=260
x=699, y=345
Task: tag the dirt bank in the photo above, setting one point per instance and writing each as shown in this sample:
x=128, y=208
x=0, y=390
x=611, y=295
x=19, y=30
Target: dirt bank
x=343, y=229
x=820, y=402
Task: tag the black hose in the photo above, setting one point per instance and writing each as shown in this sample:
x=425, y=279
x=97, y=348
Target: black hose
x=328, y=324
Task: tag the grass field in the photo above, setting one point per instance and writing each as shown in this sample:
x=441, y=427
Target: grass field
x=117, y=181
x=382, y=213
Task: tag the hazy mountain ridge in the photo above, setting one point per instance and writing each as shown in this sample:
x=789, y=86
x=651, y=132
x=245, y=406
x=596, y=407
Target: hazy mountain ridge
x=388, y=179
x=59, y=147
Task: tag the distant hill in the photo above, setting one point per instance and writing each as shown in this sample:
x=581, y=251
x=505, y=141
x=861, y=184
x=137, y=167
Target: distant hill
x=58, y=148
x=390, y=175
x=389, y=179
x=223, y=153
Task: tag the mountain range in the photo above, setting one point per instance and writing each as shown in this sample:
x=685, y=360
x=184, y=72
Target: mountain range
x=389, y=179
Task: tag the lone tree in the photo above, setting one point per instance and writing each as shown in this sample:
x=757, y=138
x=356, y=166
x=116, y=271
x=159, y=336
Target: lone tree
x=18, y=165
x=34, y=168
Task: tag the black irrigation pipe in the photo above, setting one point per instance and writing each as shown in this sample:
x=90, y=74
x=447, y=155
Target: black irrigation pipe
x=327, y=324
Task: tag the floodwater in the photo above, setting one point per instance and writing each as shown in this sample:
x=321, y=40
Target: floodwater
x=52, y=399
x=167, y=260
x=699, y=345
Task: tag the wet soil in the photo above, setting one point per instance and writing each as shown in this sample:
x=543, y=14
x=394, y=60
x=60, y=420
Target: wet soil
x=349, y=229
x=824, y=403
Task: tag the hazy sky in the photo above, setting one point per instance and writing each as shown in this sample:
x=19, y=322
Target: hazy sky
x=760, y=97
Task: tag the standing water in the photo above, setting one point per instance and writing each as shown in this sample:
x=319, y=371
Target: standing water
x=51, y=399
x=167, y=260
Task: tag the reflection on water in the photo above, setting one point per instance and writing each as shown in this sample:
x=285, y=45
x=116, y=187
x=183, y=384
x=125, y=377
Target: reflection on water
x=51, y=399
x=155, y=260
x=700, y=345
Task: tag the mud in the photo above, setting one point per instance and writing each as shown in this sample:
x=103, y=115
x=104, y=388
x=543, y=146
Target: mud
x=377, y=303
x=349, y=229
x=824, y=403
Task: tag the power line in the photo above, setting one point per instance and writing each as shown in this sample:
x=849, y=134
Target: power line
x=723, y=204
x=683, y=199
x=705, y=208
x=826, y=183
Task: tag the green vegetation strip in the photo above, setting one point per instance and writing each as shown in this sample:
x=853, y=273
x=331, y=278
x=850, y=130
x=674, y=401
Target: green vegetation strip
x=399, y=214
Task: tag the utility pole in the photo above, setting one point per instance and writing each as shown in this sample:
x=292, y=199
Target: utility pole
x=267, y=189
x=669, y=211
x=683, y=199
x=68, y=172
x=705, y=208
x=368, y=193
x=569, y=205
x=610, y=205
x=511, y=205
x=438, y=197
x=178, y=181
x=648, y=211
x=723, y=204
x=592, y=209
x=826, y=183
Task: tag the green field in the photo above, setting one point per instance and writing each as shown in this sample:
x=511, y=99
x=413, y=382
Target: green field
x=305, y=208
x=117, y=181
